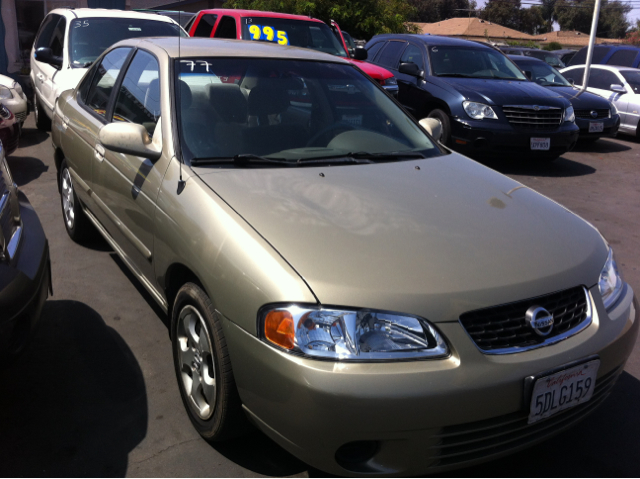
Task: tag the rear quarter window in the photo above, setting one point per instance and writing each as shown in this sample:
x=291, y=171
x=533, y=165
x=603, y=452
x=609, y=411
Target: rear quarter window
x=205, y=26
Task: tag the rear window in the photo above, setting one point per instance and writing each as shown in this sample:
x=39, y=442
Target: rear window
x=623, y=58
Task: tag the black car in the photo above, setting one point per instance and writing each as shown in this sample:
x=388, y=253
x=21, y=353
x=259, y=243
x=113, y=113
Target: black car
x=547, y=57
x=595, y=116
x=486, y=105
x=565, y=54
x=25, y=271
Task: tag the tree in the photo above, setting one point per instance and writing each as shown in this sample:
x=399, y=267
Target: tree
x=578, y=14
x=532, y=21
x=502, y=12
x=431, y=11
x=361, y=18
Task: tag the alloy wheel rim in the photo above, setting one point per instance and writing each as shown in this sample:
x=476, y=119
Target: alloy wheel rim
x=67, y=199
x=196, y=361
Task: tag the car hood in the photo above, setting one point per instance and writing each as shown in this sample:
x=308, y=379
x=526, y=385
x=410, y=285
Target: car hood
x=586, y=101
x=434, y=237
x=503, y=92
x=374, y=71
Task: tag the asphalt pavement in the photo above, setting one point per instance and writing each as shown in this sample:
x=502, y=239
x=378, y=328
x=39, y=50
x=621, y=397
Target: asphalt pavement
x=96, y=395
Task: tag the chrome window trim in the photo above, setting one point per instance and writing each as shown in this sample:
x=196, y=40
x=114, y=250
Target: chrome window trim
x=4, y=201
x=555, y=339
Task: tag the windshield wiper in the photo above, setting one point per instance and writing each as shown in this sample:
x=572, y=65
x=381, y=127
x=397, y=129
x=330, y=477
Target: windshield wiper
x=455, y=75
x=240, y=160
x=362, y=157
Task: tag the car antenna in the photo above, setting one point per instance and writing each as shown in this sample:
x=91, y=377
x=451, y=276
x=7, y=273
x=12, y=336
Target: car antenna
x=181, y=182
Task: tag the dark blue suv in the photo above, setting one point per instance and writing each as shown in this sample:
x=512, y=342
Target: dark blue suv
x=486, y=105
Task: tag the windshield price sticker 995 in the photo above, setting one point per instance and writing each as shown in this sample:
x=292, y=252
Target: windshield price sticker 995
x=269, y=34
x=562, y=390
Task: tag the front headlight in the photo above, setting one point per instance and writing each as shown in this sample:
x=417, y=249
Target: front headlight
x=479, y=111
x=18, y=88
x=351, y=335
x=5, y=93
x=610, y=282
x=569, y=115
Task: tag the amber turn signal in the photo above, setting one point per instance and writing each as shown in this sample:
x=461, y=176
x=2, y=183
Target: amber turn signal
x=278, y=328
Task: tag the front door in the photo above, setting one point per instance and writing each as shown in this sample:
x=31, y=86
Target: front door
x=43, y=73
x=409, y=92
x=128, y=185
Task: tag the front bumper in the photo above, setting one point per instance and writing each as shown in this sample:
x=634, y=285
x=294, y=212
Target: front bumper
x=24, y=283
x=490, y=138
x=18, y=105
x=419, y=416
x=610, y=127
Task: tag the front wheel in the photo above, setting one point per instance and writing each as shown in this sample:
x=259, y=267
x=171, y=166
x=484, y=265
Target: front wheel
x=203, y=367
x=43, y=122
x=445, y=136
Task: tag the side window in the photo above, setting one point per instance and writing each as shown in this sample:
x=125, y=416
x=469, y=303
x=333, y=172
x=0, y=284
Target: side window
x=576, y=75
x=389, y=56
x=205, y=26
x=139, y=96
x=104, y=79
x=226, y=28
x=46, y=31
x=373, y=50
x=57, y=40
x=189, y=24
x=412, y=54
x=603, y=79
x=623, y=58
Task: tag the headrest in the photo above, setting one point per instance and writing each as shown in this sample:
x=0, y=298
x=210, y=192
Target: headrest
x=228, y=101
x=186, y=97
x=268, y=98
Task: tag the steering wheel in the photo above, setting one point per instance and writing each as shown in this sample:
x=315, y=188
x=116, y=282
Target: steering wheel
x=336, y=126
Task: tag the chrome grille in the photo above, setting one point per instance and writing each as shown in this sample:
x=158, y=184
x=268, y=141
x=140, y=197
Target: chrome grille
x=21, y=116
x=466, y=443
x=545, y=118
x=503, y=329
x=586, y=114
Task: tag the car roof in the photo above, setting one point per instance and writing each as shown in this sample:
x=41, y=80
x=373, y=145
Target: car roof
x=177, y=47
x=258, y=13
x=432, y=40
x=525, y=59
x=107, y=13
x=606, y=67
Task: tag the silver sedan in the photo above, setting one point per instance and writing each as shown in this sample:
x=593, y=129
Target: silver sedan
x=619, y=85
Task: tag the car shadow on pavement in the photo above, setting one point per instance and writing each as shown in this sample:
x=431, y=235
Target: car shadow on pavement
x=141, y=289
x=26, y=169
x=32, y=137
x=75, y=403
x=608, y=438
x=560, y=168
x=600, y=146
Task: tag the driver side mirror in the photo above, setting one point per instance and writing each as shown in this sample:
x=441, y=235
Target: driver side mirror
x=131, y=139
x=410, y=68
x=618, y=88
x=45, y=55
x=360, y=53
x=433, y=127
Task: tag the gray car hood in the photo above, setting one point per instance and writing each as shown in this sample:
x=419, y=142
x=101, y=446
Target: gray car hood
x=448, y=237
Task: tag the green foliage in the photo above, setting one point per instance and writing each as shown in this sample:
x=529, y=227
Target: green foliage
x=361, y=18
x=510, y=14
x=431, y=11
x=578, y=14
x=552, y=46
x=529, y=44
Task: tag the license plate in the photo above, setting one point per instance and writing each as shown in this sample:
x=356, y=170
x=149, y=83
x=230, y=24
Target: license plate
x=540, y=143
x=596, y=127
x=562, y=390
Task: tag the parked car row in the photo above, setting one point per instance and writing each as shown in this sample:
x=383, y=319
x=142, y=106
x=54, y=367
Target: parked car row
x=332, y=273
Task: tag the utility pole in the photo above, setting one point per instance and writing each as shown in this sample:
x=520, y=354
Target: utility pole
x=592, y=41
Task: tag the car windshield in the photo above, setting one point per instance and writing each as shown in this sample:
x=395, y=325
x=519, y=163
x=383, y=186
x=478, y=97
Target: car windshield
x=633, y=79
x=456, y=61
x=543, y=74
x=550, y=58
x=89, y=37
x=292, y=111
x=298, y=33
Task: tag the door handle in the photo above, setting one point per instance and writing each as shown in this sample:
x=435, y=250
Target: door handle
x=65, y=123
x=99, y=152
x=40, y=77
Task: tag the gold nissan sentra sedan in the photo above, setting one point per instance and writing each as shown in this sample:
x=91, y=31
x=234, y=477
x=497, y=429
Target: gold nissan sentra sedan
x=373, y=302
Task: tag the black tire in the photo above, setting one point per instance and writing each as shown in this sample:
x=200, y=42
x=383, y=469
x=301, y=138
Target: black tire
x=445, y=137
x=43, y=122
x=76, y=223
x=224, y=419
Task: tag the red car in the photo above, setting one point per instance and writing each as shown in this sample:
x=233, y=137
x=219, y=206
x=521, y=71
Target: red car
x=9, y=130
x=285, y=29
